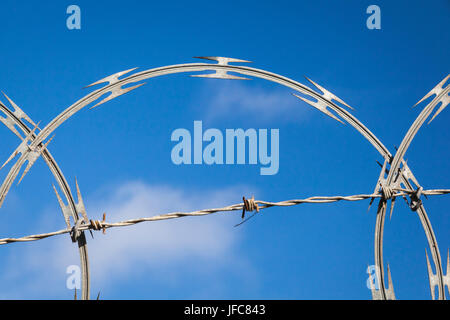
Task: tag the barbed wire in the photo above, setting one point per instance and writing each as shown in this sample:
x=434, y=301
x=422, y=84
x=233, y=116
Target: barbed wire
x=247, y=205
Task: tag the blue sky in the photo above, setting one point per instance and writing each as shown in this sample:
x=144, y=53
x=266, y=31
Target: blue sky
x=120, y=152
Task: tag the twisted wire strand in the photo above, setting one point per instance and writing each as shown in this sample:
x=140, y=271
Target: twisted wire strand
x=97, y=225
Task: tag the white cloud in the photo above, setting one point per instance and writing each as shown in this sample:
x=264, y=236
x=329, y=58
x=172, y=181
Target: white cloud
x=236, y=99
x=164, y=250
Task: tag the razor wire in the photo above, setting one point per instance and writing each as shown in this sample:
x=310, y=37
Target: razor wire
x=33, y=146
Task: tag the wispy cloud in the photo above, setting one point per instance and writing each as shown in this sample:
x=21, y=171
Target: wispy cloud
x=165, y=251
x=238, y=99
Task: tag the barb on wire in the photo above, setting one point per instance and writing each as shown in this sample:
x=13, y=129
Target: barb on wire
x=249, y=205
x=246, y=205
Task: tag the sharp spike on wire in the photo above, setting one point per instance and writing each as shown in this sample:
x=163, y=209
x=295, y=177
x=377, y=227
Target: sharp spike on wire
x=81, y=209
x=431, y=277
x=390, y=292
x=411, y=175
x=22, y=147
x=379, y=182
x=436, y=90
x=370, y=204
x=13, y=155
x=383, y=170
x=327, y=94
x=80, y=198
x=116, y=93
x=406, y=200
x=32, y=157
x=378, y=162
x=30, y=163
x=392, y=207
x=429, y=94
x=319, y=106
x=381, y=166
x=223, y=60
x=45, y=145
x=8, y=122
x=445, y=102
x=389, y=277
x=428, y=262
x=221, y=74
x=114, y=78
x=80, y=205
x=18, y=111
x=63, y=208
